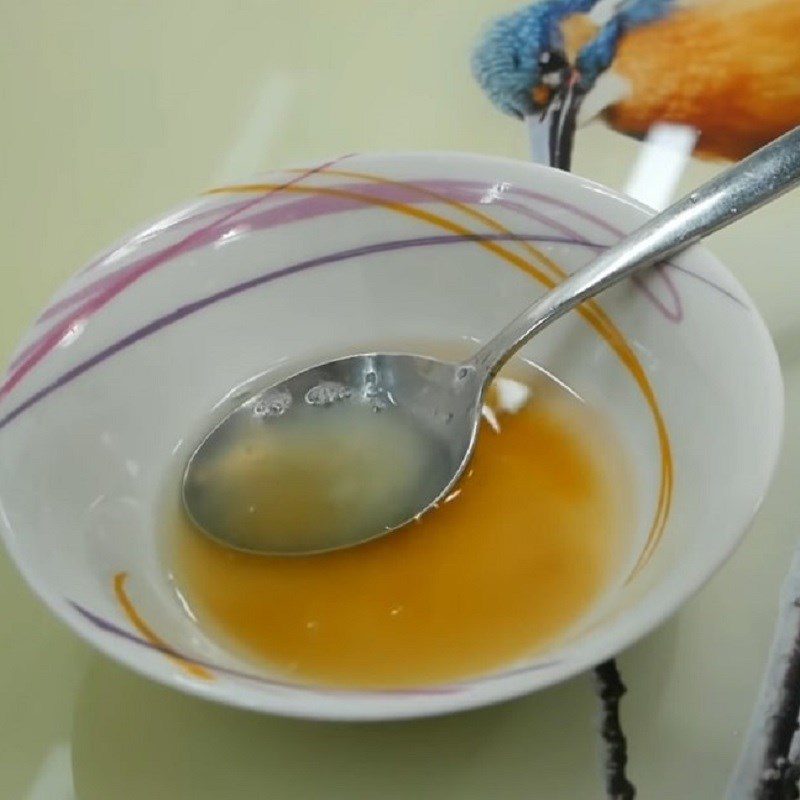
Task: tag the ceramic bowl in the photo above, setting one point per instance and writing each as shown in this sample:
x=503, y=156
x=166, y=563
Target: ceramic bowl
x=104, y=396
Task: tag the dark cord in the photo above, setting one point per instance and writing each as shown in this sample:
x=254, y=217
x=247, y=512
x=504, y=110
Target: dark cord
x=610, y=689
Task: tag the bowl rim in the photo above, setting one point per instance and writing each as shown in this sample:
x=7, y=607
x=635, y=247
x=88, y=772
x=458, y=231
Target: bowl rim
x=359, y=705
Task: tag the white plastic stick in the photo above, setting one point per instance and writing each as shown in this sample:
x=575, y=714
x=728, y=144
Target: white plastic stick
x=661, y=162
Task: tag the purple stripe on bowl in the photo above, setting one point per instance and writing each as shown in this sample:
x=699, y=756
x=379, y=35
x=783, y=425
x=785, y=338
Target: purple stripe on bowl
x=50, y=339
x=114, y=629
x=107, y=287
x=110, y=627
x=178, y=219
x=191, y=308
x=305, y=208
x=109, y=279
x=464, y=192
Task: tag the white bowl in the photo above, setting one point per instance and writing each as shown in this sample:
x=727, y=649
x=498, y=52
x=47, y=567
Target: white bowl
x=364, y=252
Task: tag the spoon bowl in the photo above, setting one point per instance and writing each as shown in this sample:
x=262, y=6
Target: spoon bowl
x=432, y=405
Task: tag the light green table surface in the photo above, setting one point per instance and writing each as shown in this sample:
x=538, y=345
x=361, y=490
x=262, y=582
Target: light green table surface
x=112, y=111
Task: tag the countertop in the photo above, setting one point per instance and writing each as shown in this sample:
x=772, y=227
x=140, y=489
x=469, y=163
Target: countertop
x=114, y=111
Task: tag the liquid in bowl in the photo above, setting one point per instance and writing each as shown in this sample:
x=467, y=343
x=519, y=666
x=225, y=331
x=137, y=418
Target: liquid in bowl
x=515, y=560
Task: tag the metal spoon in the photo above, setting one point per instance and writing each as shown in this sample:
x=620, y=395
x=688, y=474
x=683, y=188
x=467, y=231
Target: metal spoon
x=441, y=402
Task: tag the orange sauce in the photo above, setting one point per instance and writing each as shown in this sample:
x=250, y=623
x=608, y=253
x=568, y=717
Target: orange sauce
x=530, y=541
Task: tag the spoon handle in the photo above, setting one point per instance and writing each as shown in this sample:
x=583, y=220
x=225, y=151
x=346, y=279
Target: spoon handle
x=744, y=187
